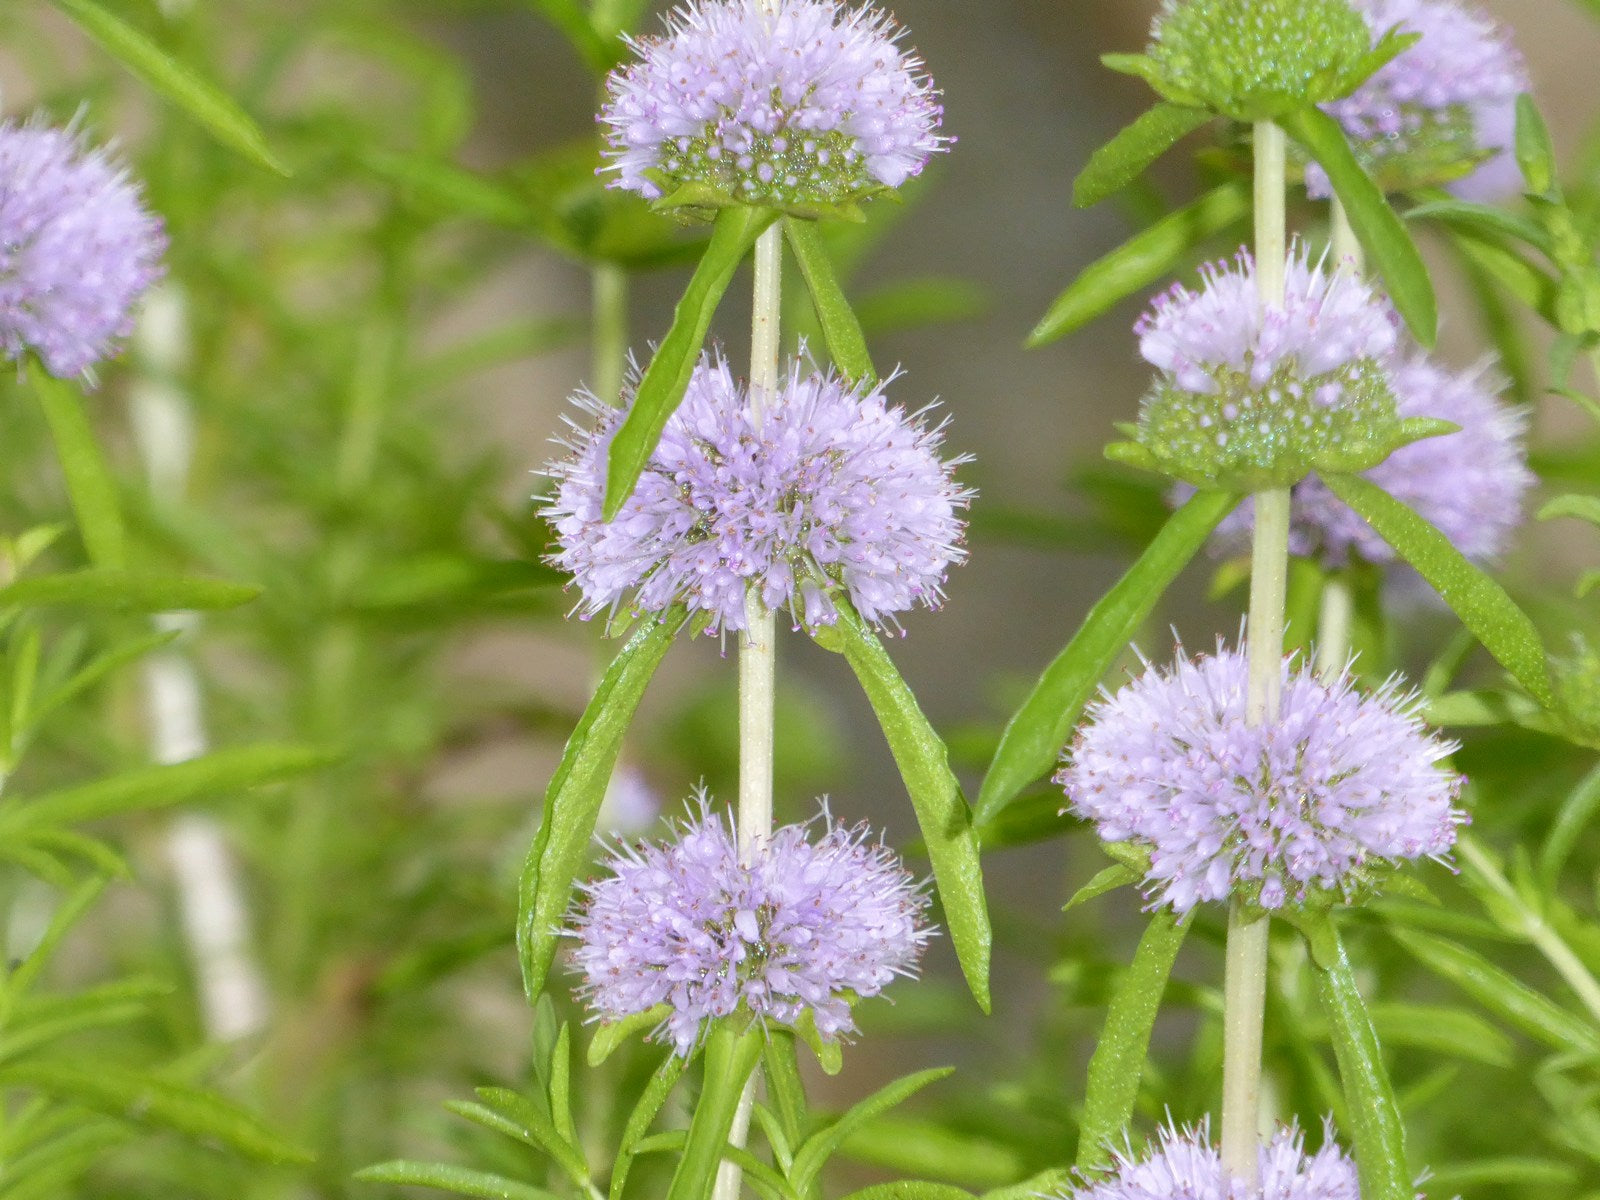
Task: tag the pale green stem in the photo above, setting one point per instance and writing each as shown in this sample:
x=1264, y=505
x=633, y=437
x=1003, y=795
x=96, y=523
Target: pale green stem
x=1344, y=244
x=1333, y=628
x=608, y=331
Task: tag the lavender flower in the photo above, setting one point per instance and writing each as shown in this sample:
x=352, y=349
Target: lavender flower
x=1446, y=103
x=1470, y=484
x=811, y=105
x=77, y=249
x=1255, y=396
x=827, y=488
x=1185, y=1164
x=785, y=936
x=1310, y=803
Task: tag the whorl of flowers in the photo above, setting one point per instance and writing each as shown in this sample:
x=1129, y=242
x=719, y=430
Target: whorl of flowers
x=814, y=104
x=1184, y=1164
x=1256, y=396
x=77, y=248
x=1471, y=484
x=795, y=931
x=825, y=487
x=1446, y=103
x=1338, y=785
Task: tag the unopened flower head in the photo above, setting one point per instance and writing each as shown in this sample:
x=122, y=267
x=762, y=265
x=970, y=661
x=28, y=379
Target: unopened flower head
x=1184, y=1163
x=1470, y=484
x=1443, y=110
x=813, y=104
x=822, y=488
x=1305, y=807
x=794, y=931
x=77, y=249
x=1253, y=396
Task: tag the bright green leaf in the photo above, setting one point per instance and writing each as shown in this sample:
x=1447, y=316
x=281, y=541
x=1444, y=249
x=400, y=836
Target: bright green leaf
x=730, y=1057
x=1124, y=158
x=814, y=1153
x=1576, y=813
x=445, y=1177
x=840, y=328
x=1482, y=218
x=127, y=591
x=1108, y=879
x=90, y=485
x=1584, y=508
x=910, y=1189
x=1535, y=150
x=644, y=1113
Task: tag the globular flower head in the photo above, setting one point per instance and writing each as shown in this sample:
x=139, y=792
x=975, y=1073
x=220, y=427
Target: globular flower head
x=1251, y=396
x=810, y=106
x=77, y=248
x=1470, y=484
x=1443, y=110
x=1184, y=1165
x=1306, y=807
x=823, y=488
x=796, y=930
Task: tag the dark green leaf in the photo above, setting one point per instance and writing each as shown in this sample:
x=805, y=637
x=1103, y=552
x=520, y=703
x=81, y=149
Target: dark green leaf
x=840, y=328
x=1034, y=736
x=90, y=485
x=447, y=1178
x=572, y=801
x=1480, y=602
x=1384, y=235
x=667, y=377
x=127, y=591
x=942, y=812
x=201, y=99
x=1142, y=260
x=1124, y=158
x=813, y=1155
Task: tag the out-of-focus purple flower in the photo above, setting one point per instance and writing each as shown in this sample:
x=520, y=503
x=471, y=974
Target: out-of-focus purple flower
x=1471, y=484
x=631, y=805
x=1338, y=784
x=1184, y=1165
x=812, y=104
x=1446, y=102
x=826, y=487
x=77, y=248
x=787, y=934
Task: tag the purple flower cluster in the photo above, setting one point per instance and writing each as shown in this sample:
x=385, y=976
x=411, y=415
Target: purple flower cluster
x=1184, y=1165
x=1438, y=107
x=811, y=104
x=793, y=932
x=823, y=487
x=77, y=249
x=1338, y=784
x=1471, y=484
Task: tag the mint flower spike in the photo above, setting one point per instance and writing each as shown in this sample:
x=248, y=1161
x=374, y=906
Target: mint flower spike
x=77, y=248
x=828, y=488
x=794, y=935
x=806, y=110
x=1306, y=809
x=1184, y=1163
x=1471, y=484
x=1443, y=111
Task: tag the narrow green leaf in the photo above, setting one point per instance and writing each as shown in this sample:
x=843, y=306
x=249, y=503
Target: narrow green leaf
x=133, y=1096
x=651, y=1101
x=1480, y=602
x=786, y=1093
x=730, y=1057
x=609, y=1035
x=1574, y=816
x=1526, y=282
x=1482, y=218
x=572, y=801
x=1584, y=508
x=537, y=1127
x=910, y=1189
x=462, y=1181
x=1108, y=879
x=814, y=1153
x=1535, y=149
x=447, y=188
x=847, y=346
x=1037, y=731
x=154, y=787
x=90, y=485
x=97, y=669
x=942, y=812
x=204, y=101
x=911, y=1146
x=68, y=913
x=1387, y=240
x=1376, y=1130
x=127, y=591
x=667, y=377
x=1119, y=1055
x=1124, y=158
x=1144, y=259
x=1535, y=1176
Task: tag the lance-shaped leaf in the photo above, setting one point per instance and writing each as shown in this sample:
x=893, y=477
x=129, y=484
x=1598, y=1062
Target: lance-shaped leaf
x=651, y=1102
x=127, y=591
x=1119, y=1056
x=847, y=346
x=1142, y=260
x=572, y=801
x=90, y=486
x=813, y=1155
x=1481, y=603
x=730, y=1056
x=1124, y=158
x=942, y=811
x=1035, y=734
x=1384, y=235
x=1376, y=1129
x=667, y=377
x=201, y=99
x=446, y=1177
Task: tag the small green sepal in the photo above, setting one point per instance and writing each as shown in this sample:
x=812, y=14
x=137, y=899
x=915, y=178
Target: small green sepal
x=1132, y=454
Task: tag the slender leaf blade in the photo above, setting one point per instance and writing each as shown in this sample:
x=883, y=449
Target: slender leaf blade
x=820, y=1146
x=730, y=1057
x=445, y=1177
x=1124, y=158
x=91, y=488
x=127, y=591
x=841, y=330
x=651, y=1102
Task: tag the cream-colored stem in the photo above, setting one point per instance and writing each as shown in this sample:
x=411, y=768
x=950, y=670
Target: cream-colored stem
x=1344, y=244
x=1333, y=628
